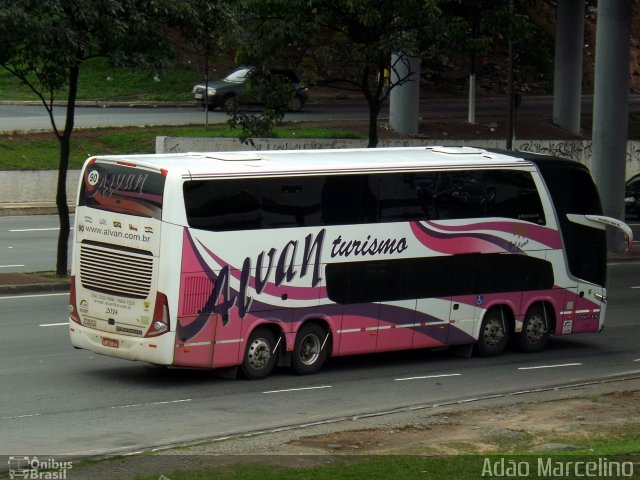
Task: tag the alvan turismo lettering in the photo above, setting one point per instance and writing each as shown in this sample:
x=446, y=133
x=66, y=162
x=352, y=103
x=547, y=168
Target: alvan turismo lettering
x=119, y=182
x=285, y=265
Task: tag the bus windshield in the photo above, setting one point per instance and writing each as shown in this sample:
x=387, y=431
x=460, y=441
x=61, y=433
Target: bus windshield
x=123, y=189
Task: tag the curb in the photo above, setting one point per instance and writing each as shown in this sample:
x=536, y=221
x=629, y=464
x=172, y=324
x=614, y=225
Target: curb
x=62, y=286
x=39, y=208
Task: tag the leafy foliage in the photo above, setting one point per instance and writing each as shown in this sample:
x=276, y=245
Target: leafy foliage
x=273, y=93
x=45, y=42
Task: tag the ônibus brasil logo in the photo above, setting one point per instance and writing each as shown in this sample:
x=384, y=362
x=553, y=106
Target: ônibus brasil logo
x=38, y=469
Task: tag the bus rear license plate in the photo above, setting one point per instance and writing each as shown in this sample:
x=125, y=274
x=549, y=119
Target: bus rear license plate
x=110, y=342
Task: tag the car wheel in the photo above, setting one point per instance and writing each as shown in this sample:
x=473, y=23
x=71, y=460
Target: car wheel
x=296, y=104
x=228, y=103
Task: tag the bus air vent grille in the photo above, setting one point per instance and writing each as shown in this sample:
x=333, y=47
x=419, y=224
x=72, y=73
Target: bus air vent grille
x=116, y=272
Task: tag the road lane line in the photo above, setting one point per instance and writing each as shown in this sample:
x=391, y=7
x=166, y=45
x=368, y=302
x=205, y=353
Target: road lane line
x=53, y=324
x=17, y=230
x=636, y=287
x=21, y=416
x=10, y=266
x=298, y=389
x=13, y=297
x=551, y=366
x=152, y=403
x=427, y=376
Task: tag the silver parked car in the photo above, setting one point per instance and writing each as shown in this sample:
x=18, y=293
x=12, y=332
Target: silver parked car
x=225, y=92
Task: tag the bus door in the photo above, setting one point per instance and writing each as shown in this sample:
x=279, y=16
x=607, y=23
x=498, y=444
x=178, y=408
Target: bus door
x=357, y=287
x=583, y=309
x=432, y=322
x=208, y=330
x=359, y=328
x=451, y=312
x=197, y=322
x=396, y=327
x=586, y=247
x=207, y=336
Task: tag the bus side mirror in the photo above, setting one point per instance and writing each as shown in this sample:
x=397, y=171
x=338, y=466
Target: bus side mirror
x=601, y=222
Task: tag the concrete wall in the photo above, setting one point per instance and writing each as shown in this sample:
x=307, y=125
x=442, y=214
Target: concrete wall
x=579, y=150
x=40, y=185
x=35, y=186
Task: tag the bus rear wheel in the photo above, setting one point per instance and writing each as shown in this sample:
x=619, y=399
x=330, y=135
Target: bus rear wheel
x=310, y=349
x=260, y=356
x=494, y=334
x=535, y=330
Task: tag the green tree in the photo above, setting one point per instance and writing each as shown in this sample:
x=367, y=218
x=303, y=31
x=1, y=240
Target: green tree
x=346, y=44
x=210, y=30
x=45, y=42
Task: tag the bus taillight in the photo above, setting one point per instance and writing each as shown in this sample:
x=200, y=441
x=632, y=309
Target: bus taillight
x=160, y=321
x=73, y=307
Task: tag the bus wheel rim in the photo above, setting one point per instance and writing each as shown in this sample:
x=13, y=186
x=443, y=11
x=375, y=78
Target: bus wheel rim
x=309, y=349
x=493, y=332
x=536, y=328
x=259, y=353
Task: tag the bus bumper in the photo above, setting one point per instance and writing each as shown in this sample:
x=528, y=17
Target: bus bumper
x=158, y=350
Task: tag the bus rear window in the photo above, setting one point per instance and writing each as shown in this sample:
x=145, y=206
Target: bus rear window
x=122, y=189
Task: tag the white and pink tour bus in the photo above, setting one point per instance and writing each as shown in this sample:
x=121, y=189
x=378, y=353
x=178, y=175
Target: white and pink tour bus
x=260, y=259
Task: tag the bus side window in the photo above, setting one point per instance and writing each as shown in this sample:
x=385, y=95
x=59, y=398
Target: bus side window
x=348, y=199
x=291, y=202
x=403, y=197
x=222, y=205
x=516, y=196
x=461, y=195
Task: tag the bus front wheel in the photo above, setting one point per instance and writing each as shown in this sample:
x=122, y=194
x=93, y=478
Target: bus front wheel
x=260, y=356
x=494, y=334
x=310, y=349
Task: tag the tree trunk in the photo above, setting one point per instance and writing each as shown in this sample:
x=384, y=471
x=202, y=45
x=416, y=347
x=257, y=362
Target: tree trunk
x=61, y=193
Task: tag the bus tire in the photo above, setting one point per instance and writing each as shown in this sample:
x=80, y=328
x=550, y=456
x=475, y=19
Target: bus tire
x=260, y=356
x=535, y=333
x=310, y=349
x=494, y=334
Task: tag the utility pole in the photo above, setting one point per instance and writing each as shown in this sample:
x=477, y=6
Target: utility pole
x=510, y=89
x=567, y=74
x=611, y=103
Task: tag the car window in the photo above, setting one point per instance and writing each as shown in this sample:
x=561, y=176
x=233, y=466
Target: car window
x=238, y=76
x=287, y=75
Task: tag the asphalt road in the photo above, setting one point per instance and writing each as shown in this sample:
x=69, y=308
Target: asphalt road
x=56, y=400
x=34, y=117
x=29, y=243
x=21, y=117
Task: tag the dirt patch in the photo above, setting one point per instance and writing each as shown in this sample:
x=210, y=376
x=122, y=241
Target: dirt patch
x=552, y=420
x=565, y=425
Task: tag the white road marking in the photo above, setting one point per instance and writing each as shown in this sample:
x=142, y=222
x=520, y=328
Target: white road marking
x=21, y=416
x=10, y=266
x=298, y=389
x=636, y=287
x=152, y=403
x=53, y=324
x=551, y=366
x=427, y=376
x=34, y=229
x=13, y=297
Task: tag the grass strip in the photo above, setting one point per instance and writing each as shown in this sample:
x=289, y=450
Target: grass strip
x=40, y=151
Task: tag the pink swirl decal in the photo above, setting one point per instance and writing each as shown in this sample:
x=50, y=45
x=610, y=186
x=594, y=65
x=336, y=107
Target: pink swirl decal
x=462, y=239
